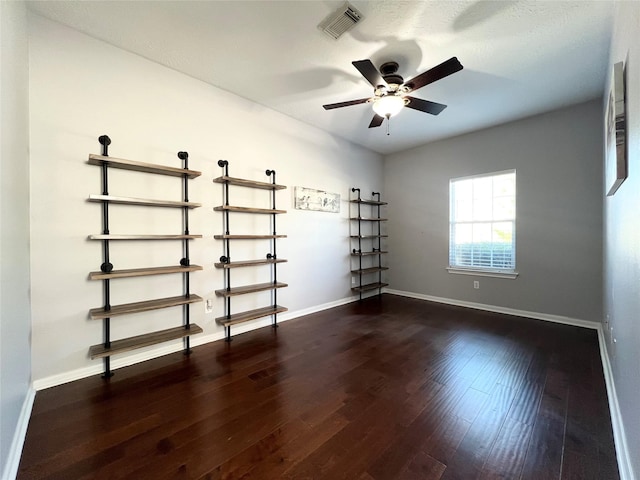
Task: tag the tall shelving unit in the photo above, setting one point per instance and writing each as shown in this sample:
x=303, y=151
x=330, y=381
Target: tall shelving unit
x=369, y=235
x=110, y=347
x=271, y=259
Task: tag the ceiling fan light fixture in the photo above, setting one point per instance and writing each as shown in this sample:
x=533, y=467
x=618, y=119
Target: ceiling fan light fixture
x=389, y=105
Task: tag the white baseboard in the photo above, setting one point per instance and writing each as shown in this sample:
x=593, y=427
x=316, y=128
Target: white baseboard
x=622, y=450
x=59, y=379
x=508, y=311
x=15, y=451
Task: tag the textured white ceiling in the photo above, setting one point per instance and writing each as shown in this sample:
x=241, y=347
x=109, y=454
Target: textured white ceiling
x=520, y=57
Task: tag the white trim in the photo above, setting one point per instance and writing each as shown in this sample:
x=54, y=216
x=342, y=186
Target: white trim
x=622, y=450
x=15, y=451
x=483, y=273
x=166, y=349
x=480, y=175
x=576, y=322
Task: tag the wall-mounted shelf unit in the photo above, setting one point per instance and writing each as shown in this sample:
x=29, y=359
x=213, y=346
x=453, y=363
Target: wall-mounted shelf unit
x=270, y=259
x=106, y=273
x=368, y=276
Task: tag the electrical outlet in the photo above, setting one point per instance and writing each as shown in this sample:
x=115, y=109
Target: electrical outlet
x=476, y=284
x=208, y=306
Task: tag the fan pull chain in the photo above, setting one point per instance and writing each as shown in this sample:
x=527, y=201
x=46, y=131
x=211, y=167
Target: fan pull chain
x=388, y=122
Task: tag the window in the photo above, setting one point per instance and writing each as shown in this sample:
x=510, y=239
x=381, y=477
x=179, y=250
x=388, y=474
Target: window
x=482, y=223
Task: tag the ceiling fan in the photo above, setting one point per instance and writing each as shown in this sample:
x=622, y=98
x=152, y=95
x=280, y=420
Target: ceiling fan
x=390, y=91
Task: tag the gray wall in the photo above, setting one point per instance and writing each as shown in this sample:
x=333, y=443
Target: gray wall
x=558, y=160
x=15, y=316
x=622, y=243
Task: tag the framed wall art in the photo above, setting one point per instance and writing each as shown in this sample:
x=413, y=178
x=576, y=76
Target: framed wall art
x=616, y=131
x=310, y=199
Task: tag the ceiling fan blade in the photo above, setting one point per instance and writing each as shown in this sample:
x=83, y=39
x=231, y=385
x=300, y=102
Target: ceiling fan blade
x=425, y=105
x=376, y=121
x=445, y=69
x=345, y=104
x=369, y=71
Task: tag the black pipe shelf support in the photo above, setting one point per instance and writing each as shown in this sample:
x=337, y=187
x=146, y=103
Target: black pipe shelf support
x=104, y=350
x=230, y=319
x=185, y=260
x=106, y=266
x=376, y=249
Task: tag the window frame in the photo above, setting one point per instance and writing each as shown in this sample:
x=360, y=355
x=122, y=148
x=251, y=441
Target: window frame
x=510, y=273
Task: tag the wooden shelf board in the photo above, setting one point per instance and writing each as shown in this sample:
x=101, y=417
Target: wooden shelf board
x=142, y=237
x=364, y=254
x=231, y=208
x=147, y=202
x=369, y=236
x=365, y=271
x=142, y=272
x=141, y=166
x=250, y=315
x=139, y=341
x=247, y=237
x=127, y=308
x=249, y=263
x=248, y=183
x=258, y=287
x=368, y=202
x=368, y=219
x=369, y=286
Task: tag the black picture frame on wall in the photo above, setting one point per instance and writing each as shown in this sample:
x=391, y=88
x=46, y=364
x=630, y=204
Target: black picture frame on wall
x=616, y=168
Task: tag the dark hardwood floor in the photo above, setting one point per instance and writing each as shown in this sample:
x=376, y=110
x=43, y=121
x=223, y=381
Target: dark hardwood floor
x=390, y=388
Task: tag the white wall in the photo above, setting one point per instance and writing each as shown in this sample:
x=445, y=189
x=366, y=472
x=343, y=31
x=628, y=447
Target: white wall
x=557, y=157
x=622, y=243
x=81, y=88
x=15, y=356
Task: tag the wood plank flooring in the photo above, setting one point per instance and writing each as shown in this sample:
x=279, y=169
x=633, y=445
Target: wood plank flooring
x=389, y=388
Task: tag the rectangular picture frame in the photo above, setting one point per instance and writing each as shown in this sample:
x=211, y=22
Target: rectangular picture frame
x=318, y=200
x=616, y=166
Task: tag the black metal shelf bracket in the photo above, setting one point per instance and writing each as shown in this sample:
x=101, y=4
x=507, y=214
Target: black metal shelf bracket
x=377, y=247
x=226, y=245
x=274, y=268
x=373, y=194
x=359, y=250
x=106, y=266
x=185, y=261
x=226, y=257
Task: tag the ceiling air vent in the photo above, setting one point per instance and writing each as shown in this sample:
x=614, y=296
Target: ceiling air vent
x=340, y=21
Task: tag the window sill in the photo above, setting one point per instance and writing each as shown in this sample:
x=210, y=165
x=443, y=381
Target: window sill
x=483, y=273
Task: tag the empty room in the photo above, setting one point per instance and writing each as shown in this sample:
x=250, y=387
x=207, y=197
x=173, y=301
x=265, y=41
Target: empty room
x=364, y=240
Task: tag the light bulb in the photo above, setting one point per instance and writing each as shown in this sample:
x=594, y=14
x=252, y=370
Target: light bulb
x=388, y=106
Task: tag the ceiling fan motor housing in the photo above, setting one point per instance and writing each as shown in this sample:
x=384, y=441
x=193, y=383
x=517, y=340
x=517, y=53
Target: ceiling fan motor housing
x=388, y=71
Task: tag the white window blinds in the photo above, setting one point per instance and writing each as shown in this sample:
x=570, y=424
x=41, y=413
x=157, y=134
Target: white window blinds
x=482, y=226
